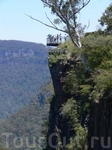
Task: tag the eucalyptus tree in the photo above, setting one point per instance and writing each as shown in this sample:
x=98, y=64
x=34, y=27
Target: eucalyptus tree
x=67, y=12
x=106, y=19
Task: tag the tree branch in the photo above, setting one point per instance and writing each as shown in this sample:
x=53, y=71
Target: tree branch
x=84, y=4
x=46, y=24
x=50, y=21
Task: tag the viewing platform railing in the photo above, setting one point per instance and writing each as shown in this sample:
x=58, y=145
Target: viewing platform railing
x=56, y=40
x=58, y=51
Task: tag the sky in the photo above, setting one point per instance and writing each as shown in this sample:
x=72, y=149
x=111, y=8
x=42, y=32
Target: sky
x=15, y=25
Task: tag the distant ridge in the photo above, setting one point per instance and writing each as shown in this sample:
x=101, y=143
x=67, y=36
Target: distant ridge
x=23, y=70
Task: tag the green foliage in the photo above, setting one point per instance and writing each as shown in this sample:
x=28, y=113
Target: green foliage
x=57, y=21
x=55, y=58
x=106, y=64
x=71, y=83
x=28, y=122
x=103, y=83
x=66, y=18
x=73, y=79
x=98, y=53
x=79, y=142
x=97, y=50
x=23, y=70
x=106, y=19
x=93, y=85
x=84, y=86
x=70, y=111
x=49, y=87
x=85, y=89
x=104, y=80
x=62, y=52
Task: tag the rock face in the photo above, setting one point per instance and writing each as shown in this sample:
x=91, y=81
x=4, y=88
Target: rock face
x=100, y=126
x=100, y=122
x=91, y=90
x=58, y=124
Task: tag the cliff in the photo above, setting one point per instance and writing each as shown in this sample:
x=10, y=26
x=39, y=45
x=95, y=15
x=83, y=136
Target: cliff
x=60, y=129
x=58, y=124
x=80, y=113
x=100, y=126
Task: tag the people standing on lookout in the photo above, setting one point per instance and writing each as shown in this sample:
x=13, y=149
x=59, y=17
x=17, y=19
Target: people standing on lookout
x=65, y=37
x=60, y=38
x=57, y=37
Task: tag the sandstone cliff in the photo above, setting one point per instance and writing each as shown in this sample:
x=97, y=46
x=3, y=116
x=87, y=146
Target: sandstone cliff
x=81, y=110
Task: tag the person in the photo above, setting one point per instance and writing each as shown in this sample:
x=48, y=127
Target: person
x=51, y=39
x=60, y=38
x=65, y=37
x=57, y=37
x=48, y=38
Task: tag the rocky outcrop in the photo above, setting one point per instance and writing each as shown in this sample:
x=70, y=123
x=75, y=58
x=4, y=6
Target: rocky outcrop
x=93, y=87
x=58, y=125
x=99, y=123
x=100, y=126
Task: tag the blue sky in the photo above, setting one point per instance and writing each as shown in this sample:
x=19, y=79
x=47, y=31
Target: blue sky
x=15, y=25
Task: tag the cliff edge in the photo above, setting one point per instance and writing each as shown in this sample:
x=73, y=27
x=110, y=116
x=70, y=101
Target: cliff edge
x=80, y=111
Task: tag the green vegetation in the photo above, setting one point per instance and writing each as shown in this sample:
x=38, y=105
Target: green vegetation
x=81, y=85
x=98, y=54
x=89, y=86
x=55, y=58
x=89, y=79
x=79, y=142
x=62, y=53
x=85, y=86
x=28, y=122
x=25, y=123
x=23, y=71
x=67, y=14
x=105, y=19
x=97, y=51
x=59, y=53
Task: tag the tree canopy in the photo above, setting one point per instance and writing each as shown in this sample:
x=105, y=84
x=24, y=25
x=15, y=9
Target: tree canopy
x=67, y=12
x=106, y=19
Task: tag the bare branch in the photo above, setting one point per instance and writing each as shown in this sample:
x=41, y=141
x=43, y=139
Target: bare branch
x=46, y=24
x=50, y=21
x=67, y=11
x=84, y=4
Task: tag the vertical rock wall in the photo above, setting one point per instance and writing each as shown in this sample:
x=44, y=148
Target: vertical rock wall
x=100, y=122
x=100, y=126
x=58, y=124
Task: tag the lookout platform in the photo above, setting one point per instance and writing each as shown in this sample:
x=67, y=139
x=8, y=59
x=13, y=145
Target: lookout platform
x=55, y=40
x=52, y=44
x=58, y=51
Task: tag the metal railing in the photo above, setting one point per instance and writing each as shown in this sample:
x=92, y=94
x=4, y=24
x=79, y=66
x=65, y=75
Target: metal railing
x=58, y=51
x=52, y=39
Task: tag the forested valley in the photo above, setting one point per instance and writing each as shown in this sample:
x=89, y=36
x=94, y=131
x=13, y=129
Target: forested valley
x=25, y=85
x=69, y=108
x=23, y=71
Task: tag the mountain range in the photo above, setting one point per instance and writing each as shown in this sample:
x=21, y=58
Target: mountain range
x=23, y=71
